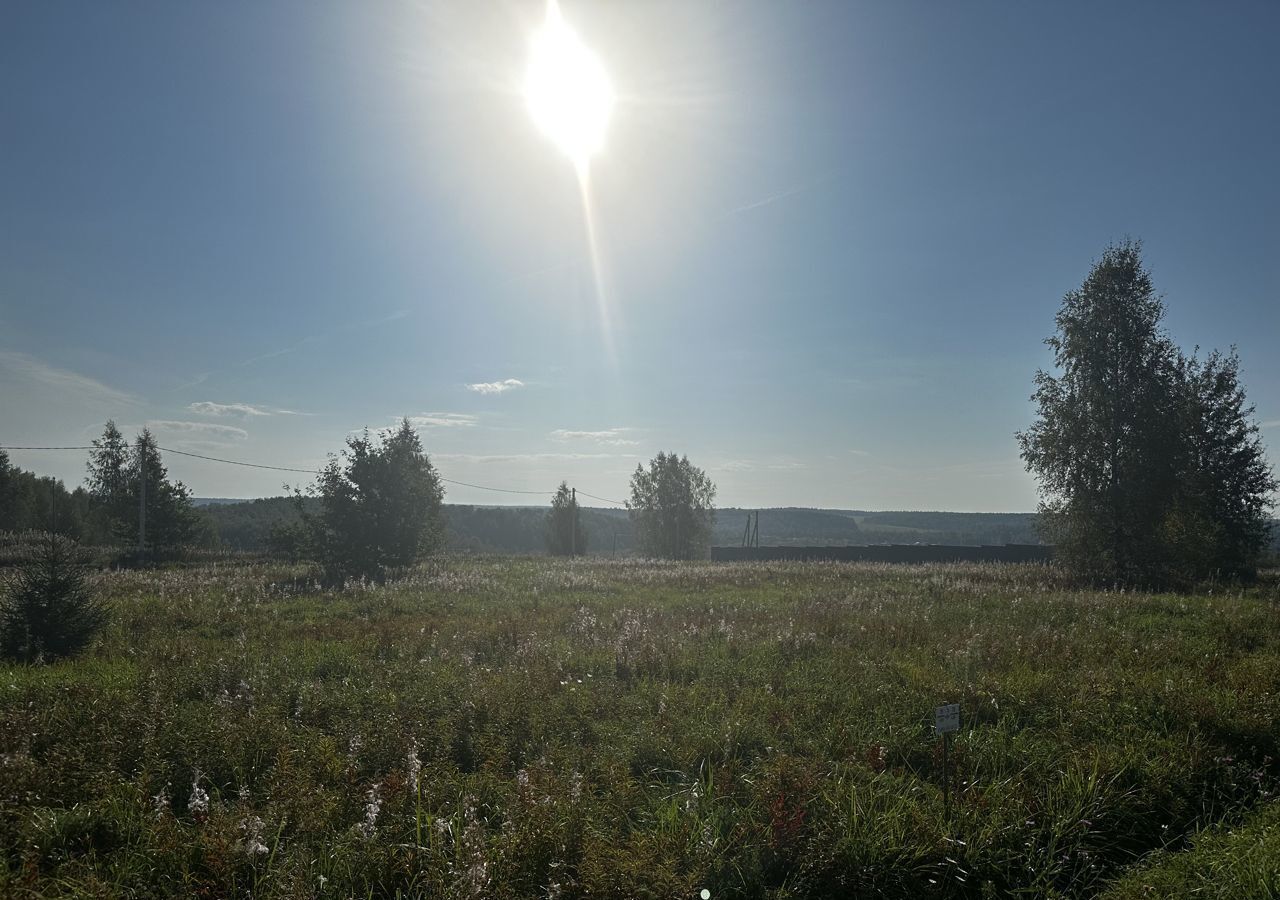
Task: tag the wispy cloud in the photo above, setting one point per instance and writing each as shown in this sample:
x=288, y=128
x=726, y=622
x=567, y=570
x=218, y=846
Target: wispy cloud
x=525, y=457
x=209, y=408
x=1271, y=423
x=778, y=464
x=199, y=430
x=784, y=193
x=612, y=436
x=496, y=387
x=308, y=340
x=442, y=420
x=29, y=368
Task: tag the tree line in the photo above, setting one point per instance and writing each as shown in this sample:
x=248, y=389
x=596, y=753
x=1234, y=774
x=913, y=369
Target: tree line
x=375, y=508
x=1150, y=465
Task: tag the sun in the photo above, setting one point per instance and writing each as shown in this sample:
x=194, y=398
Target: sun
x=567, y=90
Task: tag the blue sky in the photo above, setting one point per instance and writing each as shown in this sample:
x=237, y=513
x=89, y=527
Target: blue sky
x=832, y=236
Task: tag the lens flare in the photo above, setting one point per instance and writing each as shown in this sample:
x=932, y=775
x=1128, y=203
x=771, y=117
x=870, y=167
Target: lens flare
x=567, y=90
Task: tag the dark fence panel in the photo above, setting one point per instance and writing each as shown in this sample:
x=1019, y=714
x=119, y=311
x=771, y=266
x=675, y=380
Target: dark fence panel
x=893, y=553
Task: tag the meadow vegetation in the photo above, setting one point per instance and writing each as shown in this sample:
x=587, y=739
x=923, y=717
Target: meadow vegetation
x=589, y=728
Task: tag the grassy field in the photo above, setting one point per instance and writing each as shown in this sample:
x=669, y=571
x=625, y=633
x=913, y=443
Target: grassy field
x=537, y=728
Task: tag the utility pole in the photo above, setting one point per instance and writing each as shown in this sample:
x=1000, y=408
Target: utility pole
x=573, y=525
x=142, y=501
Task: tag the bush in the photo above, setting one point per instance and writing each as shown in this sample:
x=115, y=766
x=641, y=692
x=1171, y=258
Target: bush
x=50, y=611
x=380, y=508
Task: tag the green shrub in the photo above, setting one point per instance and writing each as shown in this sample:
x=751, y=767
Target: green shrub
x=50, y=611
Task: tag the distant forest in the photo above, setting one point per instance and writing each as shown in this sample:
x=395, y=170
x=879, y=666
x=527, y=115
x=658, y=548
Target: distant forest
x=32, y=502
x=522, y=529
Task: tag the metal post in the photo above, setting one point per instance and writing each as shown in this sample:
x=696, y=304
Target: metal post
x=946, y=775
x=573, y=525
x=142, y=500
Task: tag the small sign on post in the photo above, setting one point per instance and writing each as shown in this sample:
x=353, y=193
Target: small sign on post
x=946, y=719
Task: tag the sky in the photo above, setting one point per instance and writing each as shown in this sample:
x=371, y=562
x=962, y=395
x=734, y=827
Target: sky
x=818, y=253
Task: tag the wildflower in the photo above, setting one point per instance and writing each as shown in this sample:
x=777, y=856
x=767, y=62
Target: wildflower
x=414, y=767
x=373, y=805
x=160, y=802
x=198, y=802
x=252, y=828
x=475, y=878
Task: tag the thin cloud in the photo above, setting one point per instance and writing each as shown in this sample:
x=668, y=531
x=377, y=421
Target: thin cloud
x=1272, y=423
x=496, y=387
x=298, y=345
x=209, y=408
x=611, y=436
x=784, y=194
x=31, y=369
x=442, y=420
x=525, y=457
x=199, y=430
x=780, y=464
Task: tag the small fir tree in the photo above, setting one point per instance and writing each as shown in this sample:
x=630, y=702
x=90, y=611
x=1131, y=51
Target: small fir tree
x=50, y=611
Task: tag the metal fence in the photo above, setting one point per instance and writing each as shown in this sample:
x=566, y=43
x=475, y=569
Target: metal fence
x=892, y=553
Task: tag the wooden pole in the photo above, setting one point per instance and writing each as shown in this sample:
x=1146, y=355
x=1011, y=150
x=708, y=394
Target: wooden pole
x=946, y=775
x=142, y=500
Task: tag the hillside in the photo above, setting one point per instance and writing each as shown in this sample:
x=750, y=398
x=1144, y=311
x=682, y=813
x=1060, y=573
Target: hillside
x=519, y=529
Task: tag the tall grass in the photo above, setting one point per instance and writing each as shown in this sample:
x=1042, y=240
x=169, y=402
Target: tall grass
x=576, y=728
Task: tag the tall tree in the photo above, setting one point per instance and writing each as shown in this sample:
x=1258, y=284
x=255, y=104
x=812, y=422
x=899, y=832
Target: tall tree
x=122, y=478
x=1105, y=444
x=171, y=517
x=9, y=519
x=381, y=506
x=1144, y=458
x=1220, y=520
x=110, y=481
x=672, y=508
x=565, y=534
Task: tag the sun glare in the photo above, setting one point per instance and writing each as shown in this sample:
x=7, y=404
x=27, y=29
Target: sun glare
x=567, y=89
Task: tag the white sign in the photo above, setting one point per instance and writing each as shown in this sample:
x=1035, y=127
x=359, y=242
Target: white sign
x=947, y=718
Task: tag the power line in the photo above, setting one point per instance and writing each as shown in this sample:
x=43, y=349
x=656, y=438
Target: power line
x=602, y=499
x=233, y=462
x=250, y=465
x=484, y=487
